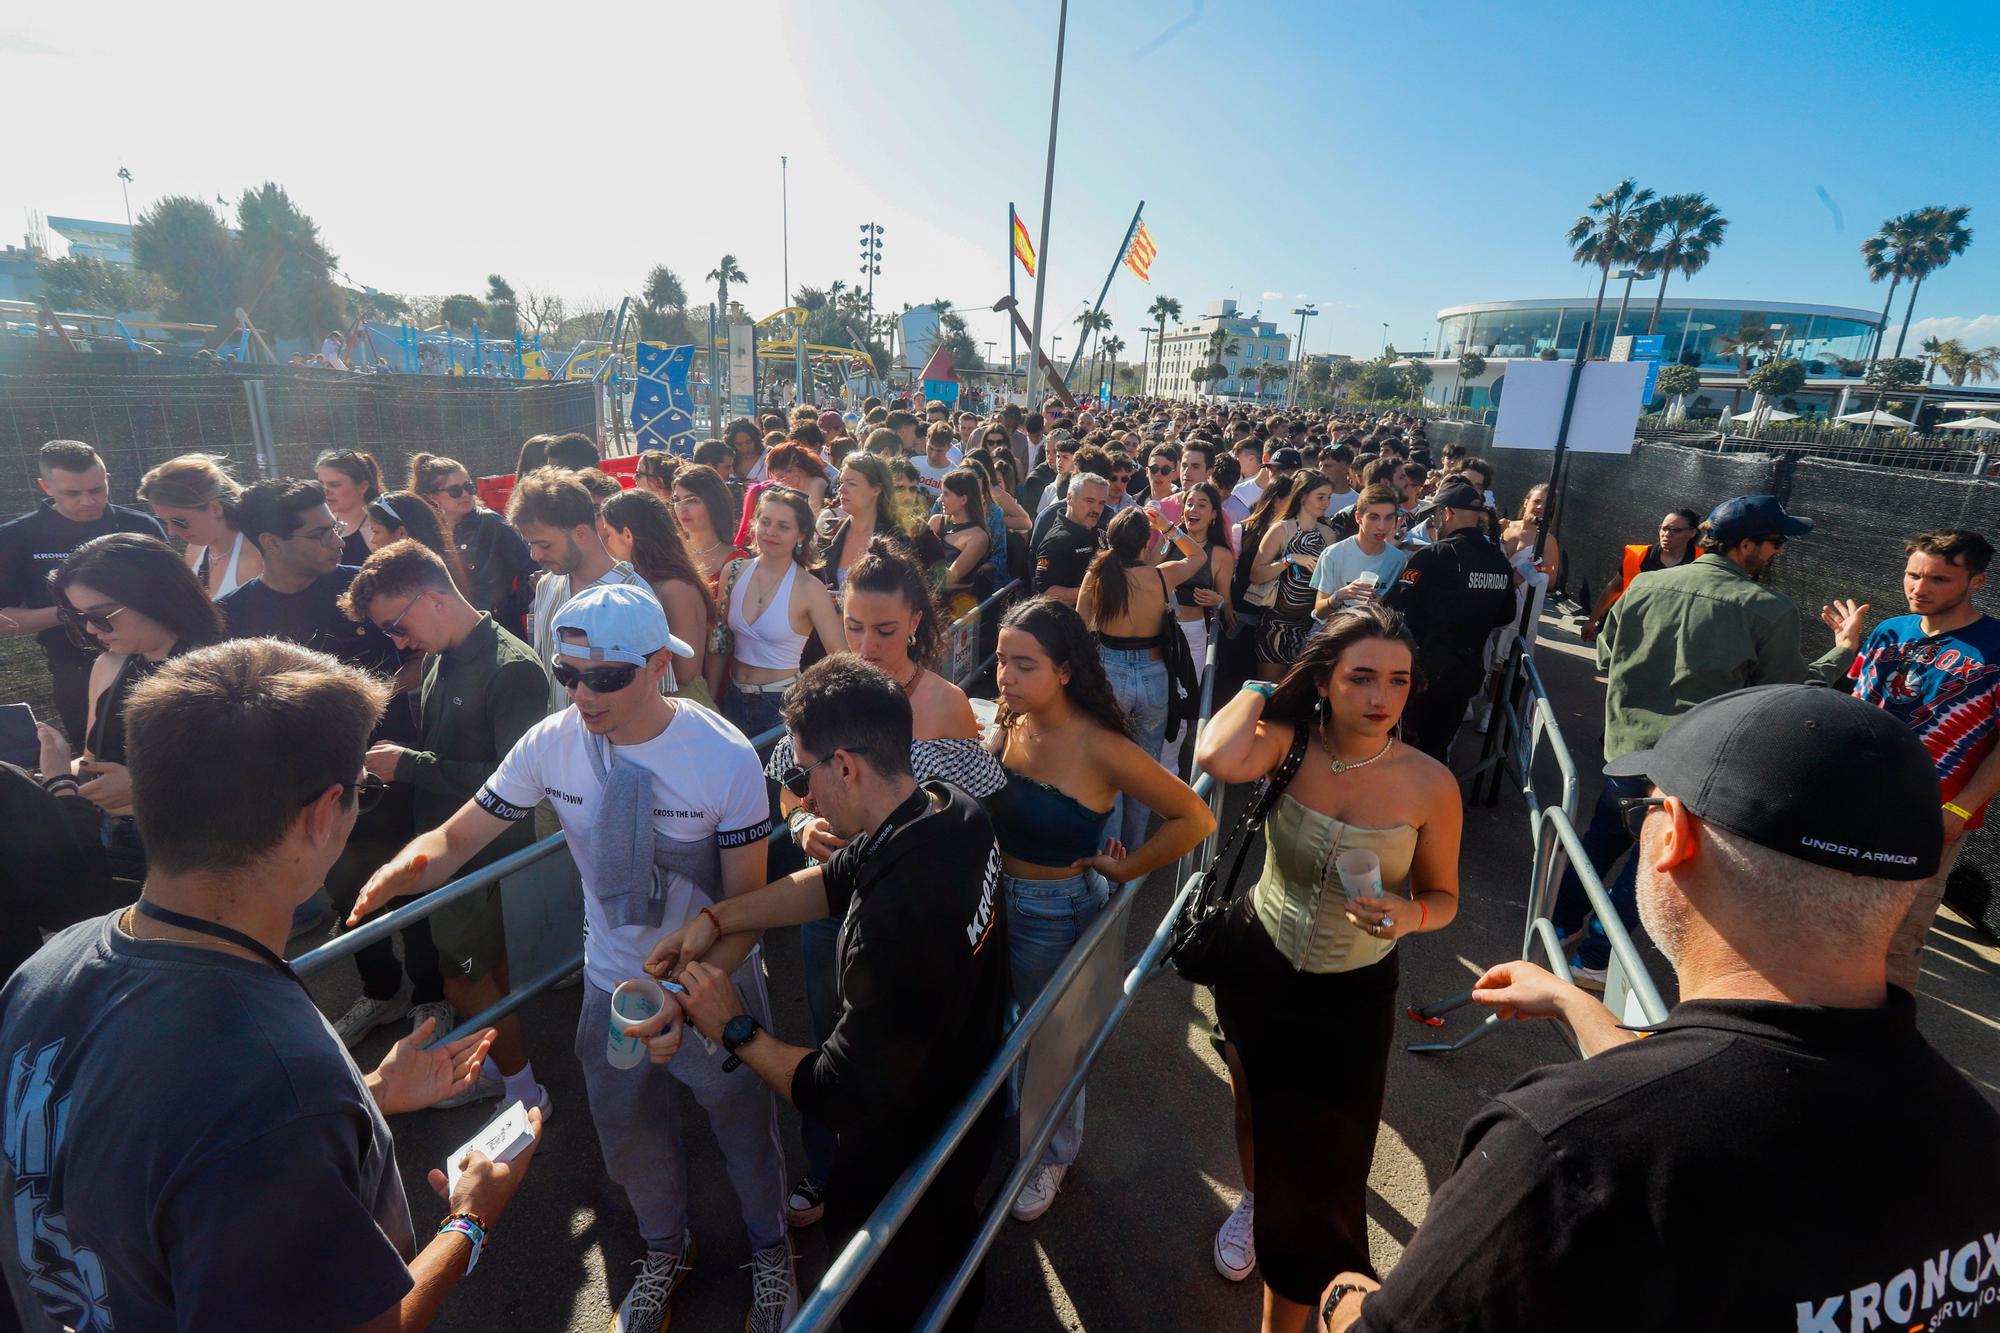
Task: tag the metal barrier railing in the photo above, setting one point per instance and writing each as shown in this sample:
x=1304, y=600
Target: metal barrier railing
x=388, y=923
x=851, y=1265
x=1523, y=722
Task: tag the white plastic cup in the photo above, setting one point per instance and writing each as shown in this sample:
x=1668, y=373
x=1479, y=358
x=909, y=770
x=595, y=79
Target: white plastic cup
x=633, y=1002
x=1360, y=873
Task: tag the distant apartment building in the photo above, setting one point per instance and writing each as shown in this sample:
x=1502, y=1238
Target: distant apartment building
x=1247, y=344
x=89, y=239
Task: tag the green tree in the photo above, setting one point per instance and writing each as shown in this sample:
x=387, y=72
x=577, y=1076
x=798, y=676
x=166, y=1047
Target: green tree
x=1687, y=229
x=1412, y=377
x=725, y=272
x=503, y=310
x=1960, y=363
x=1678, y=383
x=1470, y=367
x=462, y=312
x=1163, y=309
x=1110, y=348
x=1091, y=322
x=182, y=244
x=1890, y=253
x=85, y=283
x=1774, y=379
x=1276, y=373
x=1940, y=234
x=1896, y=372
x=1751, y=337
x=663, y=315
x=1616, y=229
x=287, y=270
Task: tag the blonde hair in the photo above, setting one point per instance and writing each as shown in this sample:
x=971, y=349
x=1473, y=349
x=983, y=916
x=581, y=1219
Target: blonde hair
x=192, y=481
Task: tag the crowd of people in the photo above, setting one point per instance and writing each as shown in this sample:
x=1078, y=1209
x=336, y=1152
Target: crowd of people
x=301, y=702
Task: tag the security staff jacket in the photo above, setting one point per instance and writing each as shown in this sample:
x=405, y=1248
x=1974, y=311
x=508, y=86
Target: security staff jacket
x=1454, y=594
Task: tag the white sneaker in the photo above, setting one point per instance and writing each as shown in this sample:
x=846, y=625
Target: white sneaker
x=774, y=1290
x=1590, y=978
x=1236, y=1241
x=1038, y=1193
x=485, y=1088
x=363, y=1018
x=649, y=1305
x=446, y=1016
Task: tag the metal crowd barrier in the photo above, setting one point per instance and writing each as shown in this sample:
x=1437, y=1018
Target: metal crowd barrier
x=851, y=1265
x=1523, y=724
x=388, y=923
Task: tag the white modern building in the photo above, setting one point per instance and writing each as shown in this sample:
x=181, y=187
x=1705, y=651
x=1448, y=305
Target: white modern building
x=1247, y=344
x=90, y=239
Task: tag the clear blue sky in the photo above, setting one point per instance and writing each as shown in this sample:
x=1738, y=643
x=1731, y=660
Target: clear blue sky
x=1383, y=160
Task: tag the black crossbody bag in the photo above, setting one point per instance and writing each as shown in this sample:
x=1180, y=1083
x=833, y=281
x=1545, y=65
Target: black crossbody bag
x=1199, y=944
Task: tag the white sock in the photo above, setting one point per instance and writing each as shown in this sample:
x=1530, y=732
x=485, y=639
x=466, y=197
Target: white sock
x=1249, y=1200
x=521, y=1087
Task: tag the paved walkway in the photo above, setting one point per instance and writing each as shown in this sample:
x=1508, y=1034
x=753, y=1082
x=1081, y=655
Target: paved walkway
x=1127, y=1244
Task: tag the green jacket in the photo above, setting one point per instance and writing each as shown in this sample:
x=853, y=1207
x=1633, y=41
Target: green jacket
x=478, y=700
x=1684, y=635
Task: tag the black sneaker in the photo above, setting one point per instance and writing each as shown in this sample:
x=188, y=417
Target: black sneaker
x=807, y=1203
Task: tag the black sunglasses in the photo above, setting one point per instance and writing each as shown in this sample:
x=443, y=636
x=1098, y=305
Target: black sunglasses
x=1161, y=469
x=600, y=679
x=79, y=621
x=1778, y=542
x=798, y=780
x=1632, y=812
x=457, y=490
x=367, y=793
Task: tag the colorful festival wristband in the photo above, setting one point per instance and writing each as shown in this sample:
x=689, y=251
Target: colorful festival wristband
x=1958, y=810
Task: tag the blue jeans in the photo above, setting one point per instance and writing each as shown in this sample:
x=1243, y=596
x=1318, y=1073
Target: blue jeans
x=1045, y=918
x=1604, y=842
x=1140, y=683
x=819, y=958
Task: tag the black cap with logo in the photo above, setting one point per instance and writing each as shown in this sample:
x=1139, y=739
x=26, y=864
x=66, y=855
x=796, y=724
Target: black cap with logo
x=1804, y=770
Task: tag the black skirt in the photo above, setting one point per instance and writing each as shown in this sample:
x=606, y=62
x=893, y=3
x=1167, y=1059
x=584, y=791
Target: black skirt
x=1314, y=1047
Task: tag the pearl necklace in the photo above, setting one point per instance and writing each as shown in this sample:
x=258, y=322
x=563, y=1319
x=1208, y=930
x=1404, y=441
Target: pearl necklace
x=1340, y=765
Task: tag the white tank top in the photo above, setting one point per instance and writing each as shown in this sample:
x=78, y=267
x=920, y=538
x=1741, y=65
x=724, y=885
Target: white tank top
x=230, y=581
x=769, y=641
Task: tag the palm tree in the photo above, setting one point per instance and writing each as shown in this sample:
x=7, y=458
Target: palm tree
x=1888, y=254
x=1750, y=338
x=1611, y=233
x=725, y=272
x=1163, y=309
x=1688, y=229
x=1110, y=348
x=1090, y=321
x=1941, y=234
x=1277, y=374
x=1960, y=363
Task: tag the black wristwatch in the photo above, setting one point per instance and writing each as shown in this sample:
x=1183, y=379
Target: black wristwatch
x=1337, y=1295
x=735, y=1033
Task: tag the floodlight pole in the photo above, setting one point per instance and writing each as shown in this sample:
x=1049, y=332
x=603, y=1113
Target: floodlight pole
x=1048, y=199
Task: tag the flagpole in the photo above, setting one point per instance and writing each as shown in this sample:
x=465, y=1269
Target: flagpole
x=1130, y=230
x=1048, y=193
x=1011, y=215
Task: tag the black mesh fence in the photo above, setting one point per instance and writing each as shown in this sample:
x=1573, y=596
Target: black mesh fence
x=140, y=411
x=1862, y=513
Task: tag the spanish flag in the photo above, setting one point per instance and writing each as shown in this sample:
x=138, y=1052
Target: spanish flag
x=1139, y=255
x=1023, y=249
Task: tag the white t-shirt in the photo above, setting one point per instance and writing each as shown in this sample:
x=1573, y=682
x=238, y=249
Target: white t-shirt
x=932, y=473
x=707, y=784
x=1344, y=561
x=1249, y=493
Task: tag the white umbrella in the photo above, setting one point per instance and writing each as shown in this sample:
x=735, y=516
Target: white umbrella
x=1779, y=414
x=1971, y=423
x=1876, y=417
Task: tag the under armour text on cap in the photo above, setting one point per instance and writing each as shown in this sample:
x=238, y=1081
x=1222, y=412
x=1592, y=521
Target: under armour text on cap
x=620, y=622
x=1754, y=516
x=1805, y=770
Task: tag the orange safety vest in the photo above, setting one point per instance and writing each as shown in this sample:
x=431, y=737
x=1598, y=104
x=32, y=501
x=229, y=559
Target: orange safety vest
x=1628, y=569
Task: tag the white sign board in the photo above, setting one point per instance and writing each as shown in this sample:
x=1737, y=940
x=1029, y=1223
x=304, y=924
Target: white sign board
x=1607, y=406
x=742, y=368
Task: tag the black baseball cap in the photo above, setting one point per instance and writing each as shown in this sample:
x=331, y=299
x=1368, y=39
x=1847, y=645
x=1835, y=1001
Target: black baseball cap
x=1454, y=494
x=1288, y=457
x=1754, y=516
x=1805, y=770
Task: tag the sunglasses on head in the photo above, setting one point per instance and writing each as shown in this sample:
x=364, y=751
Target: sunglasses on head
x=335, y=456
x=457, y=490
x=600, y=679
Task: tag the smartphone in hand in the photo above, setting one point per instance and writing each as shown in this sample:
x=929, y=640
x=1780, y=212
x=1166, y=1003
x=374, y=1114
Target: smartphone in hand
x=19, y=745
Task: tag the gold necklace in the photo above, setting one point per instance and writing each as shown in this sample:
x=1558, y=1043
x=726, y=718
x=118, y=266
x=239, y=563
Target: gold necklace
x=1340, y=765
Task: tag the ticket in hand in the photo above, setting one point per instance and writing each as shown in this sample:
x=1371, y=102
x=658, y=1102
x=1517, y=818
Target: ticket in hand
x=503, y=1139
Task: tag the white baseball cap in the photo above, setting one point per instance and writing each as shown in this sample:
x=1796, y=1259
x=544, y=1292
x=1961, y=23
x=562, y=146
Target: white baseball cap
x=620, y=622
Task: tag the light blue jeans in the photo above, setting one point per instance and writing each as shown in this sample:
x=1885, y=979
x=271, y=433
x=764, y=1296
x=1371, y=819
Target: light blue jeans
x=1140, y=683
x=1045, y=918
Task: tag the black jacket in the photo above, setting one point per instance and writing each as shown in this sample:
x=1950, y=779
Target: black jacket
x=1454, y=594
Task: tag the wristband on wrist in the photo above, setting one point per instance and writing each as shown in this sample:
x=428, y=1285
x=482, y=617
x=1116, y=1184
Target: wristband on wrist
x=709, y=912
x=1263, y=687
x=796, y=822
x=1425, y=919
x=1958, y=810
x=469, y=1226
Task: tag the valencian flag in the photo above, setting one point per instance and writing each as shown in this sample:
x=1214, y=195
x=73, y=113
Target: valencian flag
x=1139, y=255
x=1023, y=249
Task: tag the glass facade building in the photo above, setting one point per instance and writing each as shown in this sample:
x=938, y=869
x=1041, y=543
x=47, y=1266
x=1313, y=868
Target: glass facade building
x=1721, y=336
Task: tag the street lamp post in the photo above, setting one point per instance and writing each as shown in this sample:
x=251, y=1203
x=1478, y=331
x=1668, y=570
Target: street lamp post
x=1304, y=312
x=785, y=214
x=1624, y=298
x=1385, y=337
x=125, y=184
x=871, y=260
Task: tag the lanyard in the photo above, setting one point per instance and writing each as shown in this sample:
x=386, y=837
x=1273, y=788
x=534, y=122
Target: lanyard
x=216, y=929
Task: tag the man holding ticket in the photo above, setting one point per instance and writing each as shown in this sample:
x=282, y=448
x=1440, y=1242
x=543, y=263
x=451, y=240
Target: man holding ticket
x=188, y=1144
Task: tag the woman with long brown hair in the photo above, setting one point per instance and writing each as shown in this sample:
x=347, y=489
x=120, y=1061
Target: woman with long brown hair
x=1067, y=746
x=494, y=560
x=351, y=479
x=195, y=497
x=638, y=528
x=1309, y=1003
x=1288, y=552
x=707, y=512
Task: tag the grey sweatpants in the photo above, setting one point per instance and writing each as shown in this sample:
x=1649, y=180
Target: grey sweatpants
x=637, y=1116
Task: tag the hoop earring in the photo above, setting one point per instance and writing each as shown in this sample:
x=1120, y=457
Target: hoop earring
x=911, y=643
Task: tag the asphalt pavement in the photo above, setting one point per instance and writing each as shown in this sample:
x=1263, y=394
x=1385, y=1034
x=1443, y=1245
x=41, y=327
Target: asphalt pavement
x=1127, y=1243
